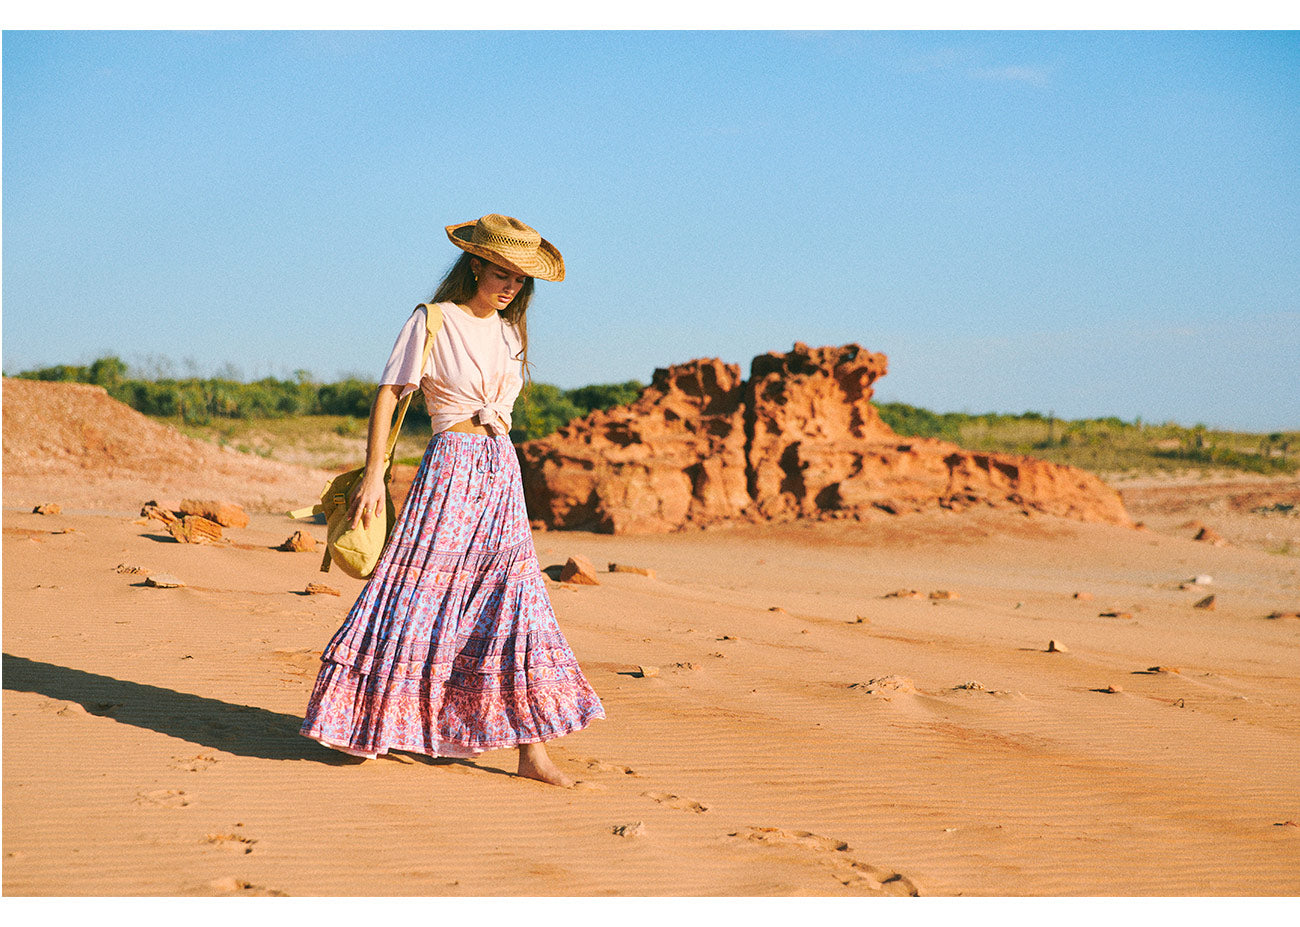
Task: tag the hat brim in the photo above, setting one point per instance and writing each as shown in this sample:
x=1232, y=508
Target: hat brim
x=546, y=264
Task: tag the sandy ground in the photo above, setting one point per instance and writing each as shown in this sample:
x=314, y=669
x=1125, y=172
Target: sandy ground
x=805, y=734
x=1243, y=509
x=150, y=743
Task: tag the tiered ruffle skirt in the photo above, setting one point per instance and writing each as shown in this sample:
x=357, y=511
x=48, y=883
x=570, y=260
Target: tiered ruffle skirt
x=452, y=647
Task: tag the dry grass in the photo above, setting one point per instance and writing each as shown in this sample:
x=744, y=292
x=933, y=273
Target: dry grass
x=331, y=442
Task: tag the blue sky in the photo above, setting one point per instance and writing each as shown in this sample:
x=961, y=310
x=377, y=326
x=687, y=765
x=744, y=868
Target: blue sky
x=1099, y=223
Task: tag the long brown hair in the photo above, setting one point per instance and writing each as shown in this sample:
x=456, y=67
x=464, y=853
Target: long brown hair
x=459, y=286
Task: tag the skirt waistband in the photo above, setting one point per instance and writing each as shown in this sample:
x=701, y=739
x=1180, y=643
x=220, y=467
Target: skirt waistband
x=486, y=451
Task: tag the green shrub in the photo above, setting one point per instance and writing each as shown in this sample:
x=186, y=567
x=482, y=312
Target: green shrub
x=349, y=397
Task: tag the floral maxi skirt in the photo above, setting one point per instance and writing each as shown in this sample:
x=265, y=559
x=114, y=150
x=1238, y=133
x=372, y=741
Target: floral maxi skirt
x=452, y=647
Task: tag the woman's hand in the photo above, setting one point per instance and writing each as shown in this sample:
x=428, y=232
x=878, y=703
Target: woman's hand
x=368, y=499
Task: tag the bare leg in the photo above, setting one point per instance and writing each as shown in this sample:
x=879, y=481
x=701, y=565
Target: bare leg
x=535, y=764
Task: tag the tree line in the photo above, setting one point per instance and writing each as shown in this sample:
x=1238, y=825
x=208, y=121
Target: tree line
x=198, y=400
x=1100, y=443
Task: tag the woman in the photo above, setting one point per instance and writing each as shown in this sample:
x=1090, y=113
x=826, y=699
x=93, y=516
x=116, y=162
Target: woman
x=452, y=647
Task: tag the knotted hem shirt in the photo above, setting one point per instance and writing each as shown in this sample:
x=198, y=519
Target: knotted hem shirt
x=475, y=369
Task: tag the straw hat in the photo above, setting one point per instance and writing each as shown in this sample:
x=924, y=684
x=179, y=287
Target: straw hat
x=507, y=241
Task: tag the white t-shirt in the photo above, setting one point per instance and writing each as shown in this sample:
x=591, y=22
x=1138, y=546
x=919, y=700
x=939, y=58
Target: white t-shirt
x=474, y=371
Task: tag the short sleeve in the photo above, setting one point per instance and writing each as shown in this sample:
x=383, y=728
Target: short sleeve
x=515, y=345
x=403, y=367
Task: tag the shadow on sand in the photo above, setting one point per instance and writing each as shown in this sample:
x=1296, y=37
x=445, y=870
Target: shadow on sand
x=244, y=730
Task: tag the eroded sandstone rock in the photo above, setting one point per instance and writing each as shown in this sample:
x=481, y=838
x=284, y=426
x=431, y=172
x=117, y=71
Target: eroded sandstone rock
x=673, y=457
x=798, y=439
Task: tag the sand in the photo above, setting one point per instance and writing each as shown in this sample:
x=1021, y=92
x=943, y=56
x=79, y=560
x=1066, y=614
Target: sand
x=777, y=723
x=150, y=742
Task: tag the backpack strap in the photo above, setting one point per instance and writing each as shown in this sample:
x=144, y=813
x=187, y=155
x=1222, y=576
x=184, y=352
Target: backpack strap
x=432, y=323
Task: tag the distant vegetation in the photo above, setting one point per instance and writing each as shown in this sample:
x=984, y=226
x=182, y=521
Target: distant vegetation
x=1107, y=445
x=198, y=401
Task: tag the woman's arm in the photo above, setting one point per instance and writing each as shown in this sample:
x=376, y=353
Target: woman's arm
x=368, y=499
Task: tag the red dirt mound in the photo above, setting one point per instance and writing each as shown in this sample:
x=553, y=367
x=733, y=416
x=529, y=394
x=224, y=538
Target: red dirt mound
x=71, y=443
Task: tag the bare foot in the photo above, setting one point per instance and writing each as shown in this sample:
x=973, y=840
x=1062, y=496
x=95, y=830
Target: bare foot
x=535, y=764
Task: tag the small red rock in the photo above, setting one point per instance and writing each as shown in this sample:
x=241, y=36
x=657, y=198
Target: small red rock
x=902, y=594
x=625, y=568
x=578, y=569
x=1208, y=534
x=298, y=541
x=154, y=510
x=226, y=514
x=194, y=529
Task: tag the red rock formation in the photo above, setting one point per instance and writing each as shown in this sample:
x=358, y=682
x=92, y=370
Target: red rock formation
x=675, y=456
x=799, y=439
x=810, y=412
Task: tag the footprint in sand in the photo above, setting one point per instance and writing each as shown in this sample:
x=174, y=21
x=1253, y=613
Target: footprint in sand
x=193, y=763
x=600, y=766
x=775, y=836
x=231, y=885
x=73, y=709
x=231, y=842
x=676, y=801
x=834, y=855
x=880, y=880
x=162, y=798
x=305, y=662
